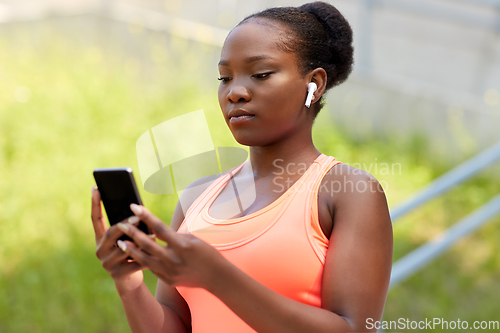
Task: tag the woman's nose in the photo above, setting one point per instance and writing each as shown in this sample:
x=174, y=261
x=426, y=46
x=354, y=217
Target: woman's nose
x=238, y=93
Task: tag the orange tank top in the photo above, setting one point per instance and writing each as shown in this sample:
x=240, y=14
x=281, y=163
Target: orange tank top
x=281, y=246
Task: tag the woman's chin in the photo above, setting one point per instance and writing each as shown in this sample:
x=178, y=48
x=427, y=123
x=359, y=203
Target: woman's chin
x=249, y=140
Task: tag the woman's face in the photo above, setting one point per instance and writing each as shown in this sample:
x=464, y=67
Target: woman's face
x=262, y=92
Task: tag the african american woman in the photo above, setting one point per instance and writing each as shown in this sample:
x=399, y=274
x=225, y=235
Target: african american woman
x=313, y=251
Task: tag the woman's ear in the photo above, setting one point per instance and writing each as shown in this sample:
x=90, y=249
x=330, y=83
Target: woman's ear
x=318, y=76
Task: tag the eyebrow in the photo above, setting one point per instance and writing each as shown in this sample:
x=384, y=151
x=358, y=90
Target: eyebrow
x=248, y=60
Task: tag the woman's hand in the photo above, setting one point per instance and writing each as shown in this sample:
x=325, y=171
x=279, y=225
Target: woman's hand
x=185, y=260
x=127, y=274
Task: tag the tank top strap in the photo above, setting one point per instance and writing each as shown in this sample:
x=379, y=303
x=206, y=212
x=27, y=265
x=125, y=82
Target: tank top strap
x=317, y=238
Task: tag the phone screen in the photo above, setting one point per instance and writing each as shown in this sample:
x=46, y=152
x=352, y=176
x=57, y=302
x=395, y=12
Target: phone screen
x=118, y=190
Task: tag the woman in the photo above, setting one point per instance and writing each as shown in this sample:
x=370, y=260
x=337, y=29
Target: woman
x=313, y=251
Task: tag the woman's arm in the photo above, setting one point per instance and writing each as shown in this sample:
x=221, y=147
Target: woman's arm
x=359, y=258
x=167, y=311
x=355, y=282
x=144, y=313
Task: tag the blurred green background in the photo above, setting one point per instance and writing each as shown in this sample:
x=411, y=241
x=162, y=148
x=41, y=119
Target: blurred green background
x=72, y=102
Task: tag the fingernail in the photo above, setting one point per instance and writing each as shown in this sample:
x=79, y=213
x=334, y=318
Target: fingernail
x=123, y=227
x=122, y=245
x=153, y=236
x=136, y=209
x=133, y=219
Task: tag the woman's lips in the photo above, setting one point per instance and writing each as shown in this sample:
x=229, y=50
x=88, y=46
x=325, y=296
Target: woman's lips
x=240, y=119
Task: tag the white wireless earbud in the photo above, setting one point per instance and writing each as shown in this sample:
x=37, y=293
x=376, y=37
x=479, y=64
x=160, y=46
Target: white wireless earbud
x=311, y=88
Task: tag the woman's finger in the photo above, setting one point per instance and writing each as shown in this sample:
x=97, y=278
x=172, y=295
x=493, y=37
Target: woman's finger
x=98, y=222
x=108, y=242
x=118, y=265
x=156, y=225
x=161, y=268
x=142, y=241
x=114, y=258
x=111, y=235
x=133, y=251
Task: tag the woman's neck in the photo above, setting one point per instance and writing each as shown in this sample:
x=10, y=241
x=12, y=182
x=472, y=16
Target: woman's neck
x=286, y=154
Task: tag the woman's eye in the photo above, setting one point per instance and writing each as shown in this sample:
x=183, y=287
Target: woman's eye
x=262, y=75
x=224, y=79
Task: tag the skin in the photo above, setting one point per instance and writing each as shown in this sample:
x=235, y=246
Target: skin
x=358, y=260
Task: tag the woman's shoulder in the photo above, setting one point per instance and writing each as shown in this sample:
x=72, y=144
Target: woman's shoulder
x=349, y=187
x=349, y=177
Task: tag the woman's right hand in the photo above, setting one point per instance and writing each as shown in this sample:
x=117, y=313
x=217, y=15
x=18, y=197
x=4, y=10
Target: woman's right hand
x=127, y=274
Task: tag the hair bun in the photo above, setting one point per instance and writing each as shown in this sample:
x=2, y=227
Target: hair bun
x=339, y=36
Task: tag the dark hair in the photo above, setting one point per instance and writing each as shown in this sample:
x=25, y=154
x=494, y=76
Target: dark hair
x=321, y=37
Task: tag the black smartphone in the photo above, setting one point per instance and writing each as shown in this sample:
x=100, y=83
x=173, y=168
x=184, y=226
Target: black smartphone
x=118, y=190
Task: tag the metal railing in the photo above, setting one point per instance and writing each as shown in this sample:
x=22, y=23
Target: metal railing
x=423, y=255
x=452, y=178
x=418, y=258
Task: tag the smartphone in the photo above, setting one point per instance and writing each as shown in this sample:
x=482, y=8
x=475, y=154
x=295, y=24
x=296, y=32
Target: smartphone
x=118, y=190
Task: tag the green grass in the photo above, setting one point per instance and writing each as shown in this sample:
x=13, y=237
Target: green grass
x=88, y=106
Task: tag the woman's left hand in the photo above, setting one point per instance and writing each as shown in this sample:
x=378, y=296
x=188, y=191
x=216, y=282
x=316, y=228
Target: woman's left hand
x=185, y=260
